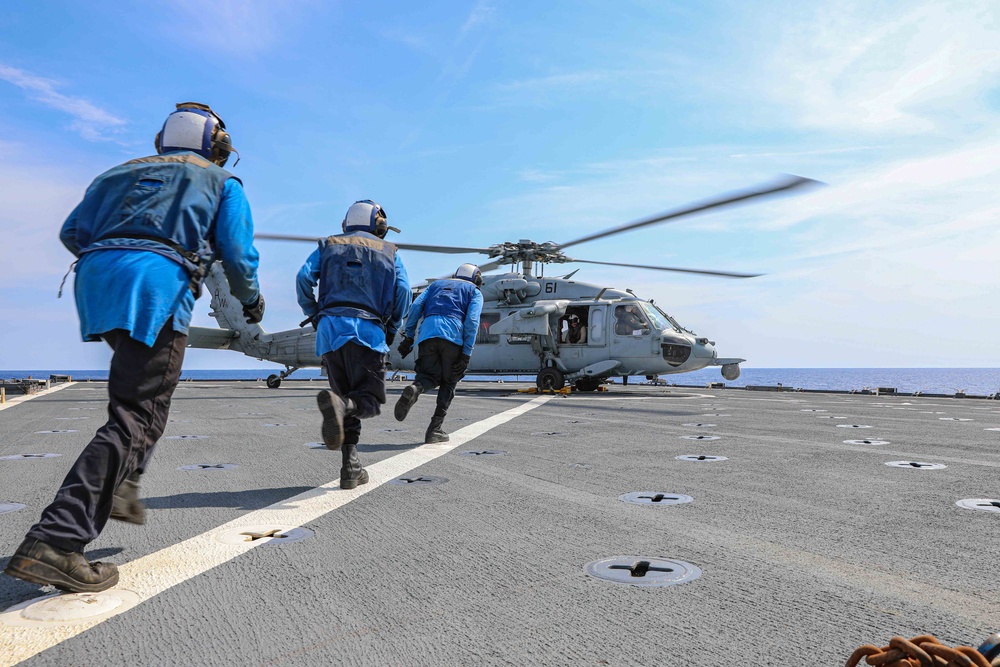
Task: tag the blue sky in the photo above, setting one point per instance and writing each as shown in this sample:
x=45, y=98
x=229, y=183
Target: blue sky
x=478, y=122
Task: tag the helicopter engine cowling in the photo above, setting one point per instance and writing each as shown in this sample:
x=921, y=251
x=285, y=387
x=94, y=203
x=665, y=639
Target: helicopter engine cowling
x=731, y=371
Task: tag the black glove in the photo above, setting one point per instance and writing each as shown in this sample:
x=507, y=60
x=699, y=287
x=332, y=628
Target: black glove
x=390, y=338
x=255, y=313
x=459, y=367
x=405, y=346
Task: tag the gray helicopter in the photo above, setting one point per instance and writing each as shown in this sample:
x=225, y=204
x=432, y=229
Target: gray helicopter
x=564, y=331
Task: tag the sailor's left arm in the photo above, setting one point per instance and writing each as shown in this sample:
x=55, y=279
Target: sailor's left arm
x=305, y=285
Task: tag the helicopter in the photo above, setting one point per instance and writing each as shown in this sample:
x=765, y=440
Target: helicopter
x=525, y=322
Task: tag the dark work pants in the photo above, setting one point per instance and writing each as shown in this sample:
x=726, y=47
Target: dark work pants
x=358, y=373
x=140, y=384
x=435, y=357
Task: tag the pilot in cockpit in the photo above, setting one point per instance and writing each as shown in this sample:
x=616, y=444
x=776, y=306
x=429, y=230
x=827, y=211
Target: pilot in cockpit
x=629, y=321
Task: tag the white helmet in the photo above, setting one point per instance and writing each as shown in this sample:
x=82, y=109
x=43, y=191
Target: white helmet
x=471, y=273
x=366, y=216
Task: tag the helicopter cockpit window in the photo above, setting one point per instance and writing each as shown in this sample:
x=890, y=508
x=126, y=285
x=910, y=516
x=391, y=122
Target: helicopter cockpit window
x=630, y=321
x=483, y=335
x=677, y=327
x=659, y=321
x=573, y=326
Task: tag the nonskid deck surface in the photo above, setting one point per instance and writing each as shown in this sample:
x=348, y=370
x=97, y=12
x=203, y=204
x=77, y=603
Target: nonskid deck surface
x=807, y=545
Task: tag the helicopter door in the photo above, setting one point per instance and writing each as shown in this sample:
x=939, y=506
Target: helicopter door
x=598, y=335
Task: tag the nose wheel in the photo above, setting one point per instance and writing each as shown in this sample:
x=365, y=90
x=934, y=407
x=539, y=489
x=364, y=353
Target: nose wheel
x=274, y=380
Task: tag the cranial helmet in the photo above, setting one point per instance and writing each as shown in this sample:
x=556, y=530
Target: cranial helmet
x=471, y=273
x=573, y=319
x=367, y=216
x=195, y=127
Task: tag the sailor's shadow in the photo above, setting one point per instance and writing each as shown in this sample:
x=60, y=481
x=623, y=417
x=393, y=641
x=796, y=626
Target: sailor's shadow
x=386, y=447
x=253, y=499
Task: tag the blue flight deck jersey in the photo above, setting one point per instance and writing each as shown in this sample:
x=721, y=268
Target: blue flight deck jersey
x=139, y=290
x=334, y=331
x=441, y=326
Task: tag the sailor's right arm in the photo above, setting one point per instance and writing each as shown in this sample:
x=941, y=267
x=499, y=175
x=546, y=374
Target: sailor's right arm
x=234, y=243
x=305, y=285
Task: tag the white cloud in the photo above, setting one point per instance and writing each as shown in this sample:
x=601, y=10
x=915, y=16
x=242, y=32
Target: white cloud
x=90, y=121
x=481, y=14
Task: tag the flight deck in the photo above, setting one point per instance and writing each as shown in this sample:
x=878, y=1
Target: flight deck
x=644, y=525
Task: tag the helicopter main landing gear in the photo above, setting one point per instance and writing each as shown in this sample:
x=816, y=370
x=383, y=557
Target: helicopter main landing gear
x=274, y=380
x=550, y=378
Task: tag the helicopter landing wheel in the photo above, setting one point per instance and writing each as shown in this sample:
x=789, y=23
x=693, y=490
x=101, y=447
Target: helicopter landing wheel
x=587, y=384
x=273, y=381
x=550, y=378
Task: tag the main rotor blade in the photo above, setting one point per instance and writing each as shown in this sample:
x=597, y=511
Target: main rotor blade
x=789, y=182
x=723, y=274
x=451, y=250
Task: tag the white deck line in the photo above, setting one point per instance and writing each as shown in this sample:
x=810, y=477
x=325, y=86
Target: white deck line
x=153, y=574
x=17, y=400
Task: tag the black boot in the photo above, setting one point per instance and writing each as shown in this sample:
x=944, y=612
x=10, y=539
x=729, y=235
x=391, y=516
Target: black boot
x=334, y=409
x=434, y=431
x=406, y=400
x=352, y=474
x=42, y=563
x=127, y=507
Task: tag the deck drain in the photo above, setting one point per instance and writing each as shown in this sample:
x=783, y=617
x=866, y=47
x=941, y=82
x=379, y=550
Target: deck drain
x=700, y=457
x=421, y=480
x=208, y=466
x=316, y=445
x=69, y=608
x=698, y=425
x=982, y=504
x=866, y=442
x=263, y=535
x=852, y=426
x=13, y=457
x=655, y=498
x=920, y=465
x=700, y=437
x=185, y=437
x=955, y=419
x=65, y=430
x=643, y=571
x=483, y=452
x=7, y=508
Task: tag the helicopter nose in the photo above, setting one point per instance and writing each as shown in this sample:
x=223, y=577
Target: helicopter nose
x=704, y=348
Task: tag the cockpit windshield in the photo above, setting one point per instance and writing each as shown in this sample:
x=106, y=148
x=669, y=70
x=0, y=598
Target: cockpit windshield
x=659, y=318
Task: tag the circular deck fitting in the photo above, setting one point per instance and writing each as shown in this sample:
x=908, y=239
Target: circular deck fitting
x=699, y=437
x=185, y=437
x=700, y=457
x=315, y=445
x=208, y=466
x=655, y=498
x=7, y=508
x=483, y=452
x=918, y=465
x=852, y=426
x=393, y=430
x=69, y=608
x=263, y=535
x=643, y=571
x=812, y=410
x=981, y=504
x=14, y=457
x=278, y=425
x=954, y=419
x=418, y=480
x=866, y=442
x=549, y=433
x=698, y=425
x=65, y=430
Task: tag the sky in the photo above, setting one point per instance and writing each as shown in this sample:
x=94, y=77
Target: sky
x=484, y=121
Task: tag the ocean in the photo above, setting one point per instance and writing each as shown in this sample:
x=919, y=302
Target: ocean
x=973, y=381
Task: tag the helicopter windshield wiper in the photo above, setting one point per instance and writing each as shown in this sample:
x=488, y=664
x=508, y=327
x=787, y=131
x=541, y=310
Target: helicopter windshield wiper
x=788, y=182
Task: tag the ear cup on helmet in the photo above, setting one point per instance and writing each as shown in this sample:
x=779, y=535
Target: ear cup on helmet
x=156, y=143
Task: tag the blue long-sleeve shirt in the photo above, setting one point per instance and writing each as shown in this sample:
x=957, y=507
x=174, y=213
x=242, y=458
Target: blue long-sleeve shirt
x=139, y=291
x=441, y=326
x=336, y=331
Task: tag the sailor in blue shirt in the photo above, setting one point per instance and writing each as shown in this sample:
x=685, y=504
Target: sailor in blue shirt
x=364, y=294
x=448, y=312
x=144, y=235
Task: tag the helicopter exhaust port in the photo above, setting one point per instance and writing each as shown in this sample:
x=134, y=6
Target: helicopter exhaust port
x=731, y=371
